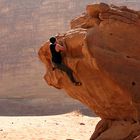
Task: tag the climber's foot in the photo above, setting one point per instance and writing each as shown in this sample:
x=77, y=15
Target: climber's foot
x=53, y=68
x=77, y=83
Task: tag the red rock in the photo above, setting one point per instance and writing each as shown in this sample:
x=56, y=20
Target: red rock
x=137, y=138
x=116, y=130
x=84, y=21
x=94, y=9
x=106, y=59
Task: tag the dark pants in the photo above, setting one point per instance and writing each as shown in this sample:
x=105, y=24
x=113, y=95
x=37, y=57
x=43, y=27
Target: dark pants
x=66, y=69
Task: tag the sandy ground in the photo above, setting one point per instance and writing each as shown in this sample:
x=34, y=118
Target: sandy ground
x=70, y=126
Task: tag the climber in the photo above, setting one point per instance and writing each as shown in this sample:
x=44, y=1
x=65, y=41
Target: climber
x=56, y=50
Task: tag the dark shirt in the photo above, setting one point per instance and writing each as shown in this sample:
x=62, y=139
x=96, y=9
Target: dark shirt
x=56, y=56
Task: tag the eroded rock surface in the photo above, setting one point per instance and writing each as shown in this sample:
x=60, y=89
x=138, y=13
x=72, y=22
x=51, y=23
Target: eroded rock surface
x=103, y=50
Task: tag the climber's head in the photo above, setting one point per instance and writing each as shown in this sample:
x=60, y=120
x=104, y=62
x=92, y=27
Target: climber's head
x=53, y=40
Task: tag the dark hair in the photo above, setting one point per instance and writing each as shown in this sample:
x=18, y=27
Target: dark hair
x=52, y=40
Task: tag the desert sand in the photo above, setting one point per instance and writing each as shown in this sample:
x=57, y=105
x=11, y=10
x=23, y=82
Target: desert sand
x=70, y=126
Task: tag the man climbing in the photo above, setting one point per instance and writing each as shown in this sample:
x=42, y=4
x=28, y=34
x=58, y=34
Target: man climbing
x=56, y=50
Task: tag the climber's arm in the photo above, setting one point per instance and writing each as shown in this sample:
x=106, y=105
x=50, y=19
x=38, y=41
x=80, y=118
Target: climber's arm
x=60, y=48
x=64, y=44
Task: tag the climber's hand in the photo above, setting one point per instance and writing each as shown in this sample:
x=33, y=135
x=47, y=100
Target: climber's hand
x=59, y=48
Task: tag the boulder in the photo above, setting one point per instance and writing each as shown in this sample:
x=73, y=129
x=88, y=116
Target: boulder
x=105, y=57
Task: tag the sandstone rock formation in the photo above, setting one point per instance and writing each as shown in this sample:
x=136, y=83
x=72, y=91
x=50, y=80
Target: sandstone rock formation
x=103, y=50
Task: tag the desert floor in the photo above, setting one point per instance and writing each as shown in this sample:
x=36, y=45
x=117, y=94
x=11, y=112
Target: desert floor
x=69, y=126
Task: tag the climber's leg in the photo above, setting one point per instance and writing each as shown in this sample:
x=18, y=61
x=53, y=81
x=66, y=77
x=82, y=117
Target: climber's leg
x=68, y=71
